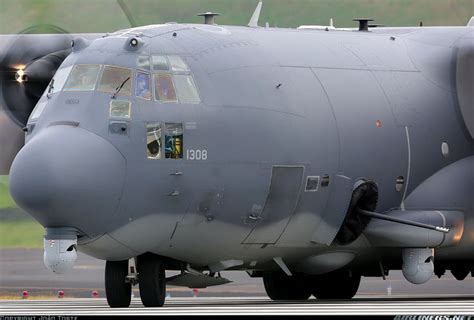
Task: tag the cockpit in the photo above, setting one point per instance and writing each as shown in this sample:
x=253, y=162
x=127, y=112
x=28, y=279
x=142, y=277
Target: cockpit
x=156, y=79
x=161, y=78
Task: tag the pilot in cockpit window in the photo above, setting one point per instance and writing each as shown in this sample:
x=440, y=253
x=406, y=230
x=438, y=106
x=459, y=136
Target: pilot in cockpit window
x=164, y=90
x=142, y=87
x=83, y=77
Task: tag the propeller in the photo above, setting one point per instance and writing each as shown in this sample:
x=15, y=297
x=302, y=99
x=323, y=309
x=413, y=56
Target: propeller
x=127, y=13
x=27, y=64
x=26, y=69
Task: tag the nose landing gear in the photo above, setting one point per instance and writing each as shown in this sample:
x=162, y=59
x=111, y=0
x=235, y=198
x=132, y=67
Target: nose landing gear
x=117, y=290
x=150, y=278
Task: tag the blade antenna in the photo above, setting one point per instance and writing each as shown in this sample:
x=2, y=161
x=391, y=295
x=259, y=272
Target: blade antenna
x=127, y=13
x=256, y=14
x=471, y=22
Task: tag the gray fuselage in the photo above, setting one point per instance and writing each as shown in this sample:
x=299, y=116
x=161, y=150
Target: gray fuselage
x=276, y=106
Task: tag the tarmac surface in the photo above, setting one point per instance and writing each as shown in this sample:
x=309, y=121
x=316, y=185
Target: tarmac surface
x=23, y=269
x=243, y=306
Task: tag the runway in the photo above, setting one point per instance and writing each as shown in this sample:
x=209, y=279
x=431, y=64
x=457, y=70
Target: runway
x=23, y=269
x=246, y=306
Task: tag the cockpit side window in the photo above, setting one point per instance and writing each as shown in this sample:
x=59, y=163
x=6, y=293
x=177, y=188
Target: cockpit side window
x=153, y=140
x=159, y=63
x=142, y=85
x=120, y=109
x=173, y=140
x=143, y=63
x=177, y=64
x=114, y=78
x=164, y=88
x=58, y=81
x=82, y=78
x=187, y=92
x=38, y=110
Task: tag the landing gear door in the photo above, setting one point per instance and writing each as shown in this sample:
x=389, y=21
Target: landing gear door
x=282, y=199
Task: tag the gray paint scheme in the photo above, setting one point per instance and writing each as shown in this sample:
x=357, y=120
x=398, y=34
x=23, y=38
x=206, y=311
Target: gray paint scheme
x=332, y=216
x=346, y=103
x=285, y=189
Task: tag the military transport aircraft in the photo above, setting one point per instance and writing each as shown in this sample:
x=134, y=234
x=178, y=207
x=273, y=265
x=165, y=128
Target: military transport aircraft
x=309, y=157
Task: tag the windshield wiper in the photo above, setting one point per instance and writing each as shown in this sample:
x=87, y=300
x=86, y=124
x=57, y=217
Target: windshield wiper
x=117, y=90
x=50, y=88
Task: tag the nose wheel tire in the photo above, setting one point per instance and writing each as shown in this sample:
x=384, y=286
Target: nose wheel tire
x=279, y=286
x=117, y=290
x=151, y=280
x=336, y=285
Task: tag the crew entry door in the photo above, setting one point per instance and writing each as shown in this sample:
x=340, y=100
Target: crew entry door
x=282, y=199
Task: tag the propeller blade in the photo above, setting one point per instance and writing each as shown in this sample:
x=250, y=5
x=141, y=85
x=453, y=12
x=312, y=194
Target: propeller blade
x=127, y=13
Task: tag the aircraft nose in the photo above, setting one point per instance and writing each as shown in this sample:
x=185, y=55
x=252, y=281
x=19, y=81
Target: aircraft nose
x=69, y=177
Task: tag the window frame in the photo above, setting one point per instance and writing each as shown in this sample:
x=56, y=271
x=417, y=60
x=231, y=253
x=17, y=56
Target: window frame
x=164, y=134
x=45, y=93
x=149, y=70
x=150, y=84
x=178, y=71
x=155, y=73
x=152, y=69
x=132, y=79
x=155, y=88
x=111, y=117
x=99, y=75
x=189, y=74
x=161, y=138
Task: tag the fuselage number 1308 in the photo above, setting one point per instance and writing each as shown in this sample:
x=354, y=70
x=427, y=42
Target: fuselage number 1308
x=192, y=154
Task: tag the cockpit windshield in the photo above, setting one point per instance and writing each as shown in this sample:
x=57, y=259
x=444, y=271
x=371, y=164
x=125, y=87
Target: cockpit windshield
x=58, y=81
x=82, y=78
x=113, y=78
x=163, y=78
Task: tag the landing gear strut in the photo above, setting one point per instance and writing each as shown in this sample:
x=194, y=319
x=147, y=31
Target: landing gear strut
x=279, y=286
x=117, y=290
x=151, y=279
x=336, y=285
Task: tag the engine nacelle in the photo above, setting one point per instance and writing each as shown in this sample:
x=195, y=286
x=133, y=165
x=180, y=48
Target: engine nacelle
x=60, y=249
